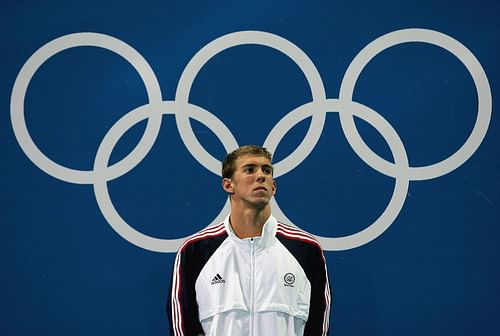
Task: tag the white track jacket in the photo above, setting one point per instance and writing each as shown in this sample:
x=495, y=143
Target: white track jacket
x=272, y=285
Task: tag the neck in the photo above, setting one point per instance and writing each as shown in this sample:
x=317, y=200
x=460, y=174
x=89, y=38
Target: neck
x=248, y=222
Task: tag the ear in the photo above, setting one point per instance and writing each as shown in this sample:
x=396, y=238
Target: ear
x=227, y=185
x=274, y=187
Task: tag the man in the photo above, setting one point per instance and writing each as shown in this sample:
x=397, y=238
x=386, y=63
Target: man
x=250, y=275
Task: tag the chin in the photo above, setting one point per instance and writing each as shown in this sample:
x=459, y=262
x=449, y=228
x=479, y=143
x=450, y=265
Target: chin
x=261, y=204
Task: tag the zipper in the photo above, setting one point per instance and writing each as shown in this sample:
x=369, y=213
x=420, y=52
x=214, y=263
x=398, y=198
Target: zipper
x=252, y=285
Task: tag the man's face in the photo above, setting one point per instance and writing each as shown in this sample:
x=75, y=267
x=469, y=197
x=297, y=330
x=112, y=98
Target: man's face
x=252, y=181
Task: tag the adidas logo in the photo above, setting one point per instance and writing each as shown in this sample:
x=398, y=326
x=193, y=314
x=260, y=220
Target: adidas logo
x=217, y=279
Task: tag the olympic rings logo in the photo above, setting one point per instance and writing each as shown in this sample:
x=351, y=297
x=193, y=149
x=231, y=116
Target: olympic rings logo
x=316, y=110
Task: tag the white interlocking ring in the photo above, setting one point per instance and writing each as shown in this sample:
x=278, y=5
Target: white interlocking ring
x=242, y=38
x=33, y=64
x=458, y=50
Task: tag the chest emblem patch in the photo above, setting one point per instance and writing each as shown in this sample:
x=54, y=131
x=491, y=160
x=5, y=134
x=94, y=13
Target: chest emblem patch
x=289, y=279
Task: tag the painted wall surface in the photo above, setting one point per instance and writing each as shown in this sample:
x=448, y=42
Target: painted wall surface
x=382, y=115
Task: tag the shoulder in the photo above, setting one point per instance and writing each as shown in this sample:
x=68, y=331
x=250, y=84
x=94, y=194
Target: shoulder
x=204, y=239
x=197, y=250
x=295, y=236
x=302, y=245
x=306, y=250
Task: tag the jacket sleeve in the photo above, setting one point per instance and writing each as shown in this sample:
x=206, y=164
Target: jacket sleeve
x=182, y=308
x=319, y=311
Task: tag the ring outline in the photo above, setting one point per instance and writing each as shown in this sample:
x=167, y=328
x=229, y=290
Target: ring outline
x=458, y=50
x=36, y=61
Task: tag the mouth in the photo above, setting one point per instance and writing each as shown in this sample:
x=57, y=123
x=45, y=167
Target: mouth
x=260, y=188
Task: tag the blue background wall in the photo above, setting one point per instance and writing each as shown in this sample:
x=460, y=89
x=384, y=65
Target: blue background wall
x=65, y=271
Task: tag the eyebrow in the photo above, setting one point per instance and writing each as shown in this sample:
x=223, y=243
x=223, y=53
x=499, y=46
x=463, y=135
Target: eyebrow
x=255, y=165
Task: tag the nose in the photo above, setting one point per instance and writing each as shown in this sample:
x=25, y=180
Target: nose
x=261, y=177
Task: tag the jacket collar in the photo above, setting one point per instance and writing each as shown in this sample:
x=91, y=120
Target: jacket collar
x=266, y=239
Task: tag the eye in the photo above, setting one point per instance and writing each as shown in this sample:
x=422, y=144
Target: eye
x=267, y=170
x=248, y=169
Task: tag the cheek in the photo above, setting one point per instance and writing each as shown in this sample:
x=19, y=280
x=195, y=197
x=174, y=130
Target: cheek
x=248, y=179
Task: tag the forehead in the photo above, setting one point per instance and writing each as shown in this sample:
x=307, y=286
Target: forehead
x=250, y=159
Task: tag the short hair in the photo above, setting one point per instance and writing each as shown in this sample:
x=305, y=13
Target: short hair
x=228, y=165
